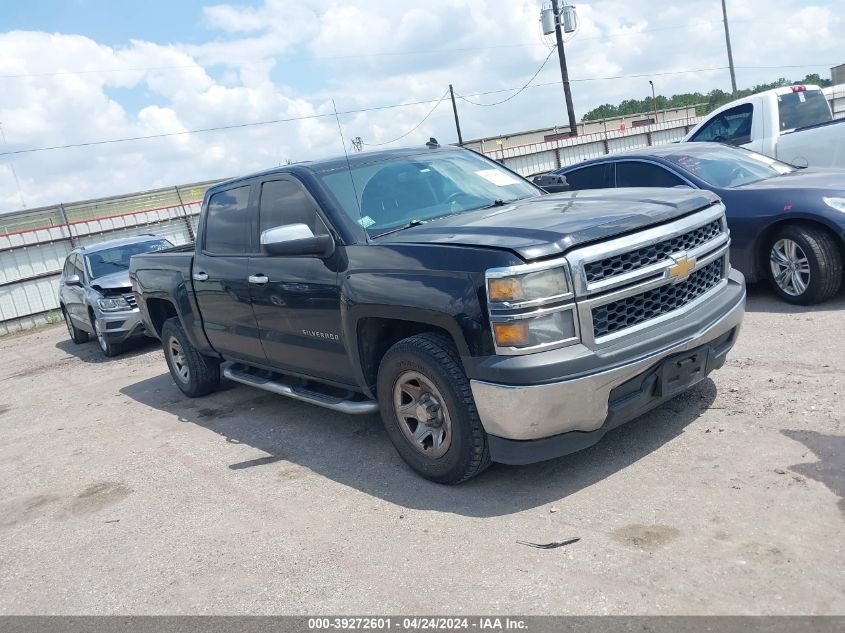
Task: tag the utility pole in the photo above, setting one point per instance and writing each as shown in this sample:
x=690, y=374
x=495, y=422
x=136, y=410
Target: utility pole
x=730, y=53
x=564, y=73
x=457, y=121
x=653, y=101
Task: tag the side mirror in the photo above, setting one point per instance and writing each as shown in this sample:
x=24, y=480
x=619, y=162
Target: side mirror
x=73, y=280
x=296, y=239
x=551, y=183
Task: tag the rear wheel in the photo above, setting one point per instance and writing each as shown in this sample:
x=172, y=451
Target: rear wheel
x=805, y=265
x=76, y=335
x=194, y=374
x=428, y=411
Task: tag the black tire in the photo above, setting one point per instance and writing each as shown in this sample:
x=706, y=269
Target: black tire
x=195, y=375
x=825, y=265
x=76, y=335
x=434, y=358
x=108, y=348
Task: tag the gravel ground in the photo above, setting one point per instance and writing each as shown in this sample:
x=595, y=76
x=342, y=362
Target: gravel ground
x=120, y=496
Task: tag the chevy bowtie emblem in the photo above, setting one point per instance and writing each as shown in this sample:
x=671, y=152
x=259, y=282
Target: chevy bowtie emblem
x=682, y=268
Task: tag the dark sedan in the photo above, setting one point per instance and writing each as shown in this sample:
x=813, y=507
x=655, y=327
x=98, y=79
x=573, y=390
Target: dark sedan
x=787, y=224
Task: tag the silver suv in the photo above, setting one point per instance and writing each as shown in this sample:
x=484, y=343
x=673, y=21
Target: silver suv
x=95, y=295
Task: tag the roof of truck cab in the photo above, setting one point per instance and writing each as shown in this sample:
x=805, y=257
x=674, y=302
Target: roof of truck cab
x=343, y=162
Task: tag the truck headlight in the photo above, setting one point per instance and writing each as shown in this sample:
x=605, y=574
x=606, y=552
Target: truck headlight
x=542, y=285
x=531, y=307
x=536, y=331
x=835, y=203
x=113, y=304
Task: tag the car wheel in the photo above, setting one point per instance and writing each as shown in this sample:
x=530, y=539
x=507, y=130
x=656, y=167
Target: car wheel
x=805, y=265
x=108, y=348
x=428, y=411
x=76, y=335
x=194, y=374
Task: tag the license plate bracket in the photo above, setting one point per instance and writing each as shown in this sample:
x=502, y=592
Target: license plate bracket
x=683, y=370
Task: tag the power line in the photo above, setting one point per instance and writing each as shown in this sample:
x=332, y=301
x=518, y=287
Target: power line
x=214, y=129
x=487, y=105
x=386, y=107
x=638, y=76
x=399, y=138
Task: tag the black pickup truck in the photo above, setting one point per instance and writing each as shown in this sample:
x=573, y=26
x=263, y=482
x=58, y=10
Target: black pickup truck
x=485, y=319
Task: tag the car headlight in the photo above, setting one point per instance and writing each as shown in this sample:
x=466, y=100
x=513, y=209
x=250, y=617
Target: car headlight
x=531, y=307
x=113, y=304
x=835, y=203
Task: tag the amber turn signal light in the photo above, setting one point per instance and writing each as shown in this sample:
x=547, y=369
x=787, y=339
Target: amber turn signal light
x=504, y=289
x=511, y=334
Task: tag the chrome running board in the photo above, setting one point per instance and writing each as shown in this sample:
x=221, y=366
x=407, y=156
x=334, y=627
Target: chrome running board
x=239, y=373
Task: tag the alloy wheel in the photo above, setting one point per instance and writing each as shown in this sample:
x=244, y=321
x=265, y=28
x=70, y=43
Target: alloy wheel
x=101, y=337
x=790, y=267
x=69, y=324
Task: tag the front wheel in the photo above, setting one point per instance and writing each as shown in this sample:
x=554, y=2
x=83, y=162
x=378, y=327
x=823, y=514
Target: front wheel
x=108, y=348
x=805, y=265
x=195, y=375
x=76, y=335
x=428, y=411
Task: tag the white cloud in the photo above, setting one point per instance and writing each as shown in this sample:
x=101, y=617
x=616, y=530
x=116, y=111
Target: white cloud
x=282, y=59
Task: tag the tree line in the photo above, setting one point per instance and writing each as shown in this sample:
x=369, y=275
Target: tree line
x=704, y=102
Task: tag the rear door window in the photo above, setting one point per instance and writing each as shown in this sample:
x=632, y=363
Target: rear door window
x=590, y=177
x=230, y=222
x=640, y=174
x=731, y=126
x=802, y=109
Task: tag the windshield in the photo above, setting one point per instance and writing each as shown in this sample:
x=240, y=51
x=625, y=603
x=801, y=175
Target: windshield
x=802, y=109
x=729, y=167
x=399, y=191
x=112, y=260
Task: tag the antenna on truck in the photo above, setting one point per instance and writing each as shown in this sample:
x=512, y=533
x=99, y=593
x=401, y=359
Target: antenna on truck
x=349, y=170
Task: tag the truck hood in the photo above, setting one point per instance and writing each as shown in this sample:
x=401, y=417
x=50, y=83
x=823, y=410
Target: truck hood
x=116, y=282
x=552, y=224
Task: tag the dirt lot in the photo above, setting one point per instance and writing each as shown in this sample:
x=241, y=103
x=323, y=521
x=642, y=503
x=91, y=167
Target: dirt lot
x=119, y=495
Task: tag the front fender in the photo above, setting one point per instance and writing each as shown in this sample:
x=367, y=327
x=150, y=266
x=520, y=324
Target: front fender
x=449, y=302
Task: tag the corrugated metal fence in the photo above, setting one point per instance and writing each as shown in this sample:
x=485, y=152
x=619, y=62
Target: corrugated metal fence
x=34, y=244
x=536, y=158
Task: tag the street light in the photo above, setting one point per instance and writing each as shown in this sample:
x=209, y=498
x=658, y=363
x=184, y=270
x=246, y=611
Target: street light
x=653, y=100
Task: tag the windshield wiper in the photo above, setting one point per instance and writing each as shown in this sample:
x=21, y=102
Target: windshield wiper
x=409, y=225
x=500, y=203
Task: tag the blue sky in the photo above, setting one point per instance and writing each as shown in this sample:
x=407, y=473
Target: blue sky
x=111, y=23
x=278, y=59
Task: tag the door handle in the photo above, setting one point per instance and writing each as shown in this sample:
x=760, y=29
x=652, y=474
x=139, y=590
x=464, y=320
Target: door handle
x=200, y=276
x=258, y=280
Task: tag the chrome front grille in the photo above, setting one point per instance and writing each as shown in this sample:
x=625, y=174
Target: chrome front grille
x=637, y=281
x=130, y=299
x=624, y=313
x=651, y=254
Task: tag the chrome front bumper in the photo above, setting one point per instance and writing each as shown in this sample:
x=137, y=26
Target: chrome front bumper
x=534, y=412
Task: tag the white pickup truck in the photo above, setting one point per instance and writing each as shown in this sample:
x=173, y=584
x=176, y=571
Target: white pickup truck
x=793, y=124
